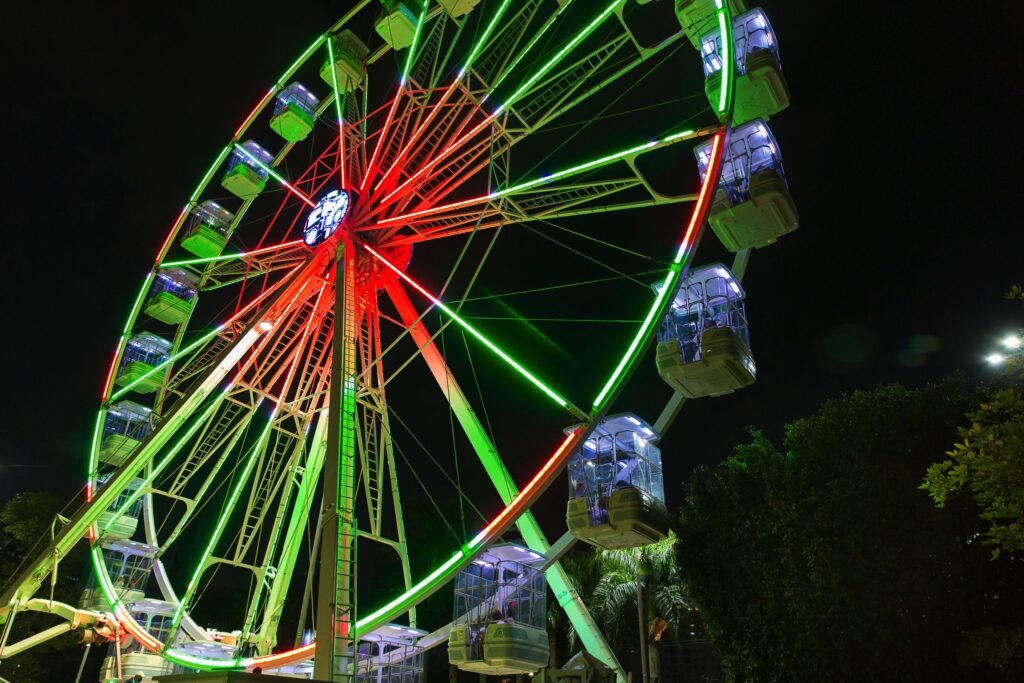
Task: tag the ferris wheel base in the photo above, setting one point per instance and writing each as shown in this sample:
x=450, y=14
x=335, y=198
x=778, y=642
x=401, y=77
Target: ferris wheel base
x=228, y=677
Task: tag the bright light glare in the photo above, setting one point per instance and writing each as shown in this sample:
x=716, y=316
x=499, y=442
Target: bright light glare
x=1012, y=342
x=995, y=358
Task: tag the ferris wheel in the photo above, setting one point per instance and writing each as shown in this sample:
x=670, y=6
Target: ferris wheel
x=448, y=231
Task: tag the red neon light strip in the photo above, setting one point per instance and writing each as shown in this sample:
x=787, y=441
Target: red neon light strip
x=110, y=373
x=255, y=111
x=371, y=168
x=170, y=234
x=557, y=460
x=419, y=131
x=444, y=154
x=697, y=217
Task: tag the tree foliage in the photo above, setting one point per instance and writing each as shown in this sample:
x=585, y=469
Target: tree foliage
x=988, y=461
x=25, y=524
x=823, y=561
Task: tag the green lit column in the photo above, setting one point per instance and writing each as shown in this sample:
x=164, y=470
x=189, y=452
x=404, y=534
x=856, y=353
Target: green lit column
x=587, y=629
x=336, y=596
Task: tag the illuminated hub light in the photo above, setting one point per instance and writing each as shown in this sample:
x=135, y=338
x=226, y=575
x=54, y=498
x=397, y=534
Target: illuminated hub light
x=325, y=217
x=1012, y=342
x=995, y=358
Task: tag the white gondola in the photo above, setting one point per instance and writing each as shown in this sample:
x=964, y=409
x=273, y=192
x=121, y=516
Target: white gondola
x=760, y=89
x=699, y=17
x=246, y=176
x=208, y=228
x=499, y=627
x=172, y=296
x=349, y=61
x=294, y=112
x=616, y=486
x=704, y=341
x=397, y=25
x=390, y=654
x=752, y=205
x=143, y=353
x=127, y=423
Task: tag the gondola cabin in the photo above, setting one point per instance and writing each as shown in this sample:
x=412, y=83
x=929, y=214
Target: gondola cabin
x=700, y=17
x=247, y=173
x=760, y=89
x=397, y=25
x=499, y=626
x=704, y=341
x=294, y=112
x=128, y=565
x=616, y=486
x=121, y=519
x=209, y=226
x=458, y=8
x=349, y=62
x=142, y=355
x=390, y=653
x=127, y=423
x=172, y=295
x=156, y=617
x=752, y=206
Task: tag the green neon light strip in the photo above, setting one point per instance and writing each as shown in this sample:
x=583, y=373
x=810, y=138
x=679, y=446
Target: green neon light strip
x=219, y=529
x=157, y=368
x=163, y=463
x=277, y=176
x=692, y=232
x=209, y=174
x=428, y=581
x=542, y=180
x=342, y=161
x=415, y=41
x=228, y=257
x=138, y=302
x=95, y=449
x=474, y=53
x=642, y=334
x=305, y=55
x=561, y=53
x=725, y=27
x=529, y=46
x=533, y=379
x=592, y=164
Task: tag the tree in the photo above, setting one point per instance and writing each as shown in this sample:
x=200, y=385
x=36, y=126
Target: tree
x=25, y=524
x=988, y=461
x=823, y=560
x=583, y=575
x=646, y=580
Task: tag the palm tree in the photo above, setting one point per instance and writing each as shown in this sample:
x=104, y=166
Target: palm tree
x=648, y=580
x=583, y=576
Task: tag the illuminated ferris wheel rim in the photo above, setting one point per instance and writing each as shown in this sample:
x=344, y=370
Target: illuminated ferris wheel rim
x=553, y=463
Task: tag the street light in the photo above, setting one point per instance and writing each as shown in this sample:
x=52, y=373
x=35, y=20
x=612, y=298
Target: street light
x=1013, y=348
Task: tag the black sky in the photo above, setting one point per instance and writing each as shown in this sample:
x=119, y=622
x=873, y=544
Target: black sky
x=899, y=148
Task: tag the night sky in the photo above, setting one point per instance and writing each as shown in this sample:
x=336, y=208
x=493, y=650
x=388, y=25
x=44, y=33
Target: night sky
x=897, y=146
